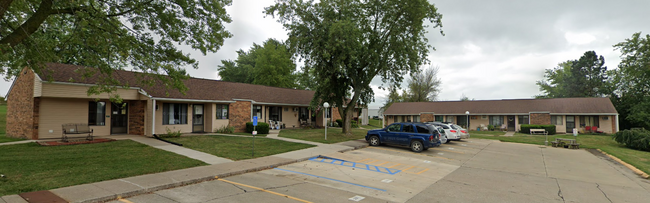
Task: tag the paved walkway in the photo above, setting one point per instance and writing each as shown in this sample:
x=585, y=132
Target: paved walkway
x=17, y=142
x=509, y=134
x=132, y=186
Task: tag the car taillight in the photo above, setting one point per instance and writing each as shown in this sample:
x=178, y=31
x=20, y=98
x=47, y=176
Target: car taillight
x=431, y=138
x=453, y=131
x=463, y=131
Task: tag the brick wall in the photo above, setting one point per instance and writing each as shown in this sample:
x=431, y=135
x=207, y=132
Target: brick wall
x=20, y=107
x=335, y=114
x=240, y=114
x=37, y=108
x=613, y=118
x=540, y=118
x=137, y=110
x=426, y=117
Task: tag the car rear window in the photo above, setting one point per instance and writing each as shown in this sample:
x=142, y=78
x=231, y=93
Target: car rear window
x=444, y=126
x=422, y=129
x=454, y=127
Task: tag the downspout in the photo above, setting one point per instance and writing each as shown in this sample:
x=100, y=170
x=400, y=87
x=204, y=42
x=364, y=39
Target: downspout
x=617, y=129
x=153, y=119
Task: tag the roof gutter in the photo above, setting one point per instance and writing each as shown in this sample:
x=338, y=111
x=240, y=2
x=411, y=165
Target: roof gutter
x=191, y=100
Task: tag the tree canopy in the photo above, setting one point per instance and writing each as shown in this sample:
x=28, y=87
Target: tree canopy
x=631, y=82
x=584, y=77
x=349, y=42
x=268, y=64
x=111, y=34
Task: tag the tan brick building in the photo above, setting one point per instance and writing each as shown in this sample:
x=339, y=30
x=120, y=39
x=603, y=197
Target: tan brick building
x=565, y=113
x=39, y=103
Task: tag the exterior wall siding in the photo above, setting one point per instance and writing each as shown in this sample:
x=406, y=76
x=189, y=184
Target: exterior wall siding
x=605, y=125
x=240, y=114
x=162, y=129
x=290, y=117
x=562, y=128
x=38, y=87
x=57, y=111
x=81, y=91
x=476, y=123
x=20, y=107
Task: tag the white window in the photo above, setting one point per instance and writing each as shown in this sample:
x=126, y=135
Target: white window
x=556, y=120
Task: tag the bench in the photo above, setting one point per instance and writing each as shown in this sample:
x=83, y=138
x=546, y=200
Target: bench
x=76, y=128
x=538, y=131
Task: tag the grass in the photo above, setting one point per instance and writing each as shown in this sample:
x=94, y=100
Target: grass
x=237, y=148
x=248, y=134
x=30, y=167
x=334, y=135
x=639, y=159
x=3, y=125
x=375, y=123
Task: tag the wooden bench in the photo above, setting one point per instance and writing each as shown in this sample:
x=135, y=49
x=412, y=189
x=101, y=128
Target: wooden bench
x=538, y=131
x=76, y=128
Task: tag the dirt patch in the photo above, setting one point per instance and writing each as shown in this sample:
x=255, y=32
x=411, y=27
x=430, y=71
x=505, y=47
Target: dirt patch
x=74, y=142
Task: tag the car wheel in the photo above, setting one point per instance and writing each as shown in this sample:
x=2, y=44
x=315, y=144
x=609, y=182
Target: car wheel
x=443, y=139
x=374, y=141
x=417, y=146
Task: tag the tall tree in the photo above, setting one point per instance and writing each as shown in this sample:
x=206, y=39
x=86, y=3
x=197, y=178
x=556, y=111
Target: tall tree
x=631, y=82
x=349, y=42
x=269, y=64
x=585, y=77
x=111, y=34
x=424, y=85
x=393, y=96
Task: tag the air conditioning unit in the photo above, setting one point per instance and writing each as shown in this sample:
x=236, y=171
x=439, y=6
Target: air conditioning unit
x=295, y=109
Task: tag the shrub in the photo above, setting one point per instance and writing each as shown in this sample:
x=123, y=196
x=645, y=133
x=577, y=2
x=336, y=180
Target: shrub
x=355, y=124
x=225, y=129
x=490, y=127
x=170, y=134
x=339, y=122
x=638, y=139
x=525, y=128
x=262, y=128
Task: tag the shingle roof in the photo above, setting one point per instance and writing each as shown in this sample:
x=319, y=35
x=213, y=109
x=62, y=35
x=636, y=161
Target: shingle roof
x=514, y=106
x=199, y=89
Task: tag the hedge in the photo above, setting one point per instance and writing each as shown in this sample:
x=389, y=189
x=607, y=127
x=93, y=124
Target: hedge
x=525, y=128
x=262, y=128
x=638, y=139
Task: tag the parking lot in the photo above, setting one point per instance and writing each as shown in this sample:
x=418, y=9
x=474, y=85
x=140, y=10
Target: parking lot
x=468, y=171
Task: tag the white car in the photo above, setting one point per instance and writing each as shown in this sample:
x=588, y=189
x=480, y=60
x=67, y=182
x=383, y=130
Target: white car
x=464, y=133
x=450, y=133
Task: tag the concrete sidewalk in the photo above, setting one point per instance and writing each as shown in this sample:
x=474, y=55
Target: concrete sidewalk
x=17, y=142
x=132, y=186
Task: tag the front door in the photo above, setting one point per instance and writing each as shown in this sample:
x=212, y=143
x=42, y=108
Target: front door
x=119, y=118
x=570, y=123
x=197, y=118
x=511, y=123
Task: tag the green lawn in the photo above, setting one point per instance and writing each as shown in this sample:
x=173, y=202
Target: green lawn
x=639, y=159
x=374, y=123
x=31, y=167
x=334, y=135
x=3, y=125
x=237, y=148
x=248, y=134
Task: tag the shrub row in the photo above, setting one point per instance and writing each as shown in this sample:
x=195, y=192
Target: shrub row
x=262, y=128
x=638, y=139
x=525, y=128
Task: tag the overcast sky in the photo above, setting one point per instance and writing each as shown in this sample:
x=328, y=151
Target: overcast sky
x=492, y=49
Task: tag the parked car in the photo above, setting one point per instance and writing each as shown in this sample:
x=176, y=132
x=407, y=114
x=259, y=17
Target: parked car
x=464, y=133
x=375, y=117
x=443, y=137
x=417, y=136
x=450, y=133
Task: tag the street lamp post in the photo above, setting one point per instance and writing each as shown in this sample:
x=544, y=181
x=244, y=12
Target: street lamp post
x=467, y=113
x=326, y=105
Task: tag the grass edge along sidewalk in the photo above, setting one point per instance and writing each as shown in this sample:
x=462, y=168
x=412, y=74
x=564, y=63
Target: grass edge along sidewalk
x=636, y=158
x=334, y=135
x=238, y=148
x=30, y=167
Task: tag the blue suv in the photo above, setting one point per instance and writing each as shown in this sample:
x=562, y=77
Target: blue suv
x=417, y=136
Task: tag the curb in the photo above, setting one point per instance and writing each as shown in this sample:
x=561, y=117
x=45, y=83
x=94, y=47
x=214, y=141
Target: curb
x=634, y=169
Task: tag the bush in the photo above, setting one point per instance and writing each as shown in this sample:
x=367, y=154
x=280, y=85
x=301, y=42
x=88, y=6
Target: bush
x=490, y=127
x=638, y=139
x=355, y=124
x=225, y=129
x=525, y=128
x=339, y=122
x=262, y=128
x=170, y=134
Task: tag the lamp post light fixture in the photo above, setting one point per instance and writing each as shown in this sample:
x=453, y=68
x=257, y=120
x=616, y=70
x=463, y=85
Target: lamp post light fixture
x=326, y=105
x=467, y=113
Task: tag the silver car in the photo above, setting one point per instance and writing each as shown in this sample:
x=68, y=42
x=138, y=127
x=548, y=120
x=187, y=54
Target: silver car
x=450, y=133
x=464, y=133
